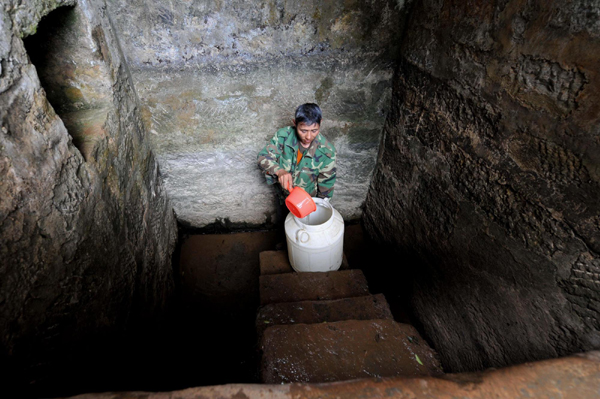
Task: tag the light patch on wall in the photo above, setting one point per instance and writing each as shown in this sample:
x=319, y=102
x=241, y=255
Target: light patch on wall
x=401, y=3
x=74, y=75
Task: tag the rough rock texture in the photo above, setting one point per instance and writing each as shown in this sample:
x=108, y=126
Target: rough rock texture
x=489, y=177
x=218, y=78
x=85, y=243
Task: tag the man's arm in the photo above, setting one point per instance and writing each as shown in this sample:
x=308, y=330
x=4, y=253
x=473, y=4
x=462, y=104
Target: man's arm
x=269, y=160
x=268, y=157
x=326, y=178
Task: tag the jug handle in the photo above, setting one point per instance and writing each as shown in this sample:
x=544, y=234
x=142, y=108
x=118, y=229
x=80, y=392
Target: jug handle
x=299, y=236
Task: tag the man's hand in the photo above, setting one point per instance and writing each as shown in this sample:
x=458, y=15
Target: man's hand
x=285, y=179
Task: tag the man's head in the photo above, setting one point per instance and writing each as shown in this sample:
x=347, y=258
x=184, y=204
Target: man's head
x=307, y=121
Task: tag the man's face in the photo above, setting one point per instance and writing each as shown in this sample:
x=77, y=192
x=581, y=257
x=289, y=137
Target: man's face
x=307, y=133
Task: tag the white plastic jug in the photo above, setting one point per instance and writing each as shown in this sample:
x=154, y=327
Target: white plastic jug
x=316, y=242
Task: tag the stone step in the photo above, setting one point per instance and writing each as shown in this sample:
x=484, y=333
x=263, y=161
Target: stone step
x=311, y=312
x=296, y=287
x=277, y=262
x=344, y=350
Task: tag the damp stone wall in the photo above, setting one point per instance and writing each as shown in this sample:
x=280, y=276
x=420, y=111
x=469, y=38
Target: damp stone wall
x=218, y=78
x=488, y=178
x=86, y=230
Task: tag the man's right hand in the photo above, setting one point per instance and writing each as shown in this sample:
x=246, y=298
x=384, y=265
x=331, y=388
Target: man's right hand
x=285, y=179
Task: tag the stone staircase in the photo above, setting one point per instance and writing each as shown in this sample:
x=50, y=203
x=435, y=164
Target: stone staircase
x=324, y=327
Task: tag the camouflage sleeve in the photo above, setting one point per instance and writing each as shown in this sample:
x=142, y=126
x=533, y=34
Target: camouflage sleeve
x=326, y=179
x=268, y=157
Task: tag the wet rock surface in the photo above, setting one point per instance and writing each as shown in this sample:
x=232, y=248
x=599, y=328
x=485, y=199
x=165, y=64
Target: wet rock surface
x=217, y=79
x=487, y=181
x=86, y=236
x=344, y=350
x=295, y=287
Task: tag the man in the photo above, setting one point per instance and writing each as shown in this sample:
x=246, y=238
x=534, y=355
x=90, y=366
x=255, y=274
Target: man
x=299, y=155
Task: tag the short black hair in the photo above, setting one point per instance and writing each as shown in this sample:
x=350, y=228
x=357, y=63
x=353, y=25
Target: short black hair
x=308, y=113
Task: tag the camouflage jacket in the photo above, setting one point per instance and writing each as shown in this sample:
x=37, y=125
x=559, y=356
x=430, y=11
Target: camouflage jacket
x=316, y=171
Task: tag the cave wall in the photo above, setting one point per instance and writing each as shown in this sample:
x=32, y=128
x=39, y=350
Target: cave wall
x=86, y=235
x=218, y=78
x=487, y=181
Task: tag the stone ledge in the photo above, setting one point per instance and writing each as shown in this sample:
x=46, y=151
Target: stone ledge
x=312, y=312
x=296, y=287
x=344, y=350
x=277, y=262
x=580, y=375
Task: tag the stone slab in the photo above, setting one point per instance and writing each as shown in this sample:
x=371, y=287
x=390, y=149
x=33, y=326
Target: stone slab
x=344, y=350
x=311, y=312
x=277, y=262
x=295, y=287
x=274, y=262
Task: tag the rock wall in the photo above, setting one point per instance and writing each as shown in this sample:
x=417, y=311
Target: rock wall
x=217, y=79
x=86, y=235
x=489, y=178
